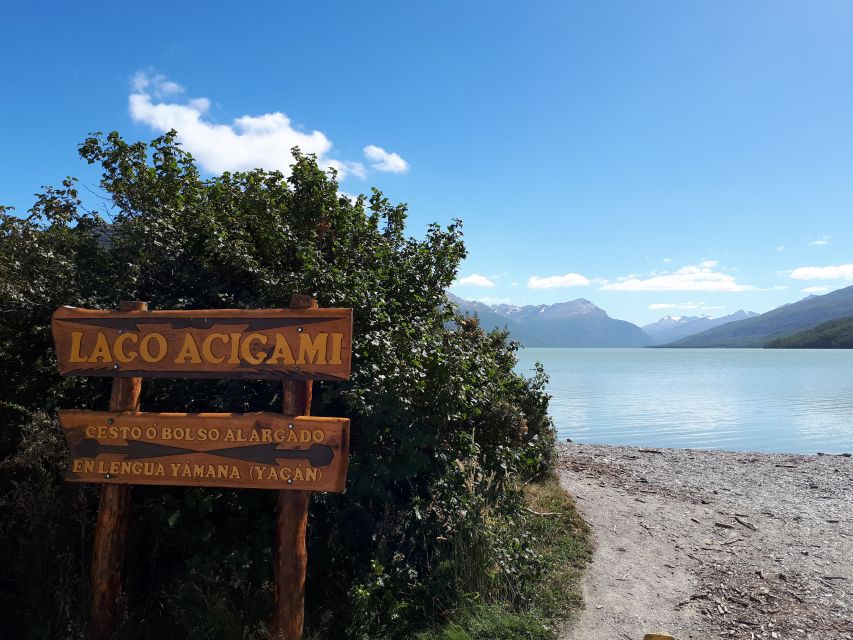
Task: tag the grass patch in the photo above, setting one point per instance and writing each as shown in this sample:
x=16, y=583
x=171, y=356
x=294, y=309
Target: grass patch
x=562, y=541
x=492, y=622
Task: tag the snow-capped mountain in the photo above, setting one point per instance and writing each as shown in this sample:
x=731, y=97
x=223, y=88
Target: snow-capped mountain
x=577, y=323
x=670, y=328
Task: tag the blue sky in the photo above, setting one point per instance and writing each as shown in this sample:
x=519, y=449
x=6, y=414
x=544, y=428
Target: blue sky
x=653, y=157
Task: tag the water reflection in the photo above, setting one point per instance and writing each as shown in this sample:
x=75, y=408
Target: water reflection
x=744, y=399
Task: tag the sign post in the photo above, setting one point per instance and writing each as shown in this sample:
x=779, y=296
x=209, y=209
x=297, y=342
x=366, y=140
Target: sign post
x=290, y=452
x=111, y=528
x=291, y=554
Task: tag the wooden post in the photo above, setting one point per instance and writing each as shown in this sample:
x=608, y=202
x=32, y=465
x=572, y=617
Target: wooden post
x=111, y=529
x=291, y=556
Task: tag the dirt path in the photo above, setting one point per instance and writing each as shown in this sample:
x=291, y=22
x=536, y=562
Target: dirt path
x=709, y=544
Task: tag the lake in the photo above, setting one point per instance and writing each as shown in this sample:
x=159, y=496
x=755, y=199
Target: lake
x=773, y=400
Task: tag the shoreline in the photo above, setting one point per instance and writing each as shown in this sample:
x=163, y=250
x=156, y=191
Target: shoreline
x=563, y=440
x=708, y=543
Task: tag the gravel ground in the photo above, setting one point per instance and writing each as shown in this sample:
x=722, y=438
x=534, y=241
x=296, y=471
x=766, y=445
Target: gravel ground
x=708, y=544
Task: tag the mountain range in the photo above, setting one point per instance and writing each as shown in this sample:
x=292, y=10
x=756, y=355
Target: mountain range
x=778, y=323
x=577, y=323
x=671, y=328
x=580, y=323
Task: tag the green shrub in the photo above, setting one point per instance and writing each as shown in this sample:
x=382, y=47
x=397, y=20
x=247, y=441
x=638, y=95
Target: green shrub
x=443, y=431
x=546, y=593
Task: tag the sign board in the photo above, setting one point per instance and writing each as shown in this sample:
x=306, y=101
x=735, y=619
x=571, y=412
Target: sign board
x=309, y=344
x=241, y=451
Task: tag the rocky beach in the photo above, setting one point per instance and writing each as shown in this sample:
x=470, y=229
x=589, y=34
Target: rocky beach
x=713, y=544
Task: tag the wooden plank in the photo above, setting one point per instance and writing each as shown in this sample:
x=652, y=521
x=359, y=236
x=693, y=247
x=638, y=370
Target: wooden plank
x=111, y=527
x=255, y=450
x=291, y=565
x=307, y=344
x=291, y=553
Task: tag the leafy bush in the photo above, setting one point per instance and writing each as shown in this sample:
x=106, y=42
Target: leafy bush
x=443, y=432
x=559, y=546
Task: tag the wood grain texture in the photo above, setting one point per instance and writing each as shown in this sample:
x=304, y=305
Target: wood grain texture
x=291, y=565
x=243, y=451
x=291, y=554
x=306, y=344
x=111, y=528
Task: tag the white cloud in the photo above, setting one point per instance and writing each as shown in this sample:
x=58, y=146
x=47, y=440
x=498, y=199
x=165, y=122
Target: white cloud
x=476, y=280
x=667, y=260
x=820, y=242
x=382, y=160
x=355, y=168
x=491, y=300
x=674, y=305
x=686, y=306
x=840, y=272
x=780, y=248
x=248, y=142
x=815, y=289
x=154, y=83
x=700, y=277
x=554, y=282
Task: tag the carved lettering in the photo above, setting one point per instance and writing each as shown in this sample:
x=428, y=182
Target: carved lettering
x=101, y=352
x=118, y=347
x=246, y=348
x=76, y=340
x=207, y=347
x=189, y=351
x=312, y=350
x=265, y=450
x=281, y=353
x=145, y=347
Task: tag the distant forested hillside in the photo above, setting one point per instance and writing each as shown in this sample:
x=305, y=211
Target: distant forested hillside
x=778, y=323
x=836, y=334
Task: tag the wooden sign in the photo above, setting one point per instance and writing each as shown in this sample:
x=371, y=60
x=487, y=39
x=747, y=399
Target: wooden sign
x=242, y=451
x=308, y=344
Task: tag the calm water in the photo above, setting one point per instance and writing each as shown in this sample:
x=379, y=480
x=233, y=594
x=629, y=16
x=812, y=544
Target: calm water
x=797, y=401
